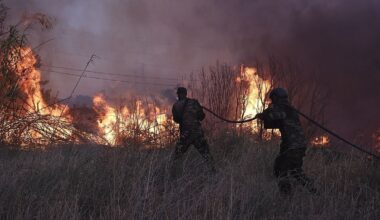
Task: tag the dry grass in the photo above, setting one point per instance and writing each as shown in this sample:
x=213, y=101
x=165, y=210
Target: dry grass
x=76, y=182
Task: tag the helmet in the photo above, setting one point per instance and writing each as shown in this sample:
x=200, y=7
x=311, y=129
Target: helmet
x=181, y=90
x=278, y=93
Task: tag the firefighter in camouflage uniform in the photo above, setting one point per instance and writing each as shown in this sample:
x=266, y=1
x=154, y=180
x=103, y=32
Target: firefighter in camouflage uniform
x=288, y=164
x=188, y=113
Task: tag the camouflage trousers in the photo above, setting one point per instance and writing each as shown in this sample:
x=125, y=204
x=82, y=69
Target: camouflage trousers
x=188, y=138
x=288, y=167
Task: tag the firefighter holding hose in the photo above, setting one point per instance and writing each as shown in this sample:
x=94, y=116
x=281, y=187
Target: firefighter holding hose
x=288, y=164
x=188, y=113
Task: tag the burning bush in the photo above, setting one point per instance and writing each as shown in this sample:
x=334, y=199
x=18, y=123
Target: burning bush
x=25, y=115
x=133, y=122
x=26, y=118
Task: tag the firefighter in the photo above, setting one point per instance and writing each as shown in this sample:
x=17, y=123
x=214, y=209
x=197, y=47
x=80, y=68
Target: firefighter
x=288, y=164
x=188, y=113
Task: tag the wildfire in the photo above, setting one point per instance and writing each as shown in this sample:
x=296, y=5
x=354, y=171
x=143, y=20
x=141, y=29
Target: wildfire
x=30, y=84
x=107, y=118
x=134, y=120
x=257, y=89
x=34, y=105
x=116, y=123
x=44, y=123
x=321, y=141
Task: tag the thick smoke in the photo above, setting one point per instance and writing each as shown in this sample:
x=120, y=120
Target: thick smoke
x=337, y=39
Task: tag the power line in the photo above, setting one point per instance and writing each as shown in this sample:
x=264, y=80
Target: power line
x=77, y=83
x=109, y=73
x=135, y=52
x=82, y=74
x=113, y=80
x=161, y=67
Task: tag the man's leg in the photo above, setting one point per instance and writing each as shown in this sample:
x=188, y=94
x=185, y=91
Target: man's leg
x=296, y=156
x=180, y=149
x=303, y=180
x=281, y=172
x=202, y=146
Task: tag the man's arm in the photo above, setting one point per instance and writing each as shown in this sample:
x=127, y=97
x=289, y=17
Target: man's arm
x=272, y=117
x=274, y=114
x=200, y=113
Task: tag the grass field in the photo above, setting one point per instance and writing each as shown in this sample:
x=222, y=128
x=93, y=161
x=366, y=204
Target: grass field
x=91, y=182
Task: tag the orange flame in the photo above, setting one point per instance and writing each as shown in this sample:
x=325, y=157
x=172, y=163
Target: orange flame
x=107, y=118
x=30, y=79
x=321, y=141
x=257, y=90
x=258, y=87
x=30, y=85
x=117, y=123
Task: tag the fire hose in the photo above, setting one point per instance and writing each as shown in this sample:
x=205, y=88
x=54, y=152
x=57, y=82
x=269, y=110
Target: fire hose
x=227, y=120
x=307, y=118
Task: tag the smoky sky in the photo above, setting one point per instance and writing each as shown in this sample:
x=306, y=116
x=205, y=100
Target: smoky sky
x=336, y=39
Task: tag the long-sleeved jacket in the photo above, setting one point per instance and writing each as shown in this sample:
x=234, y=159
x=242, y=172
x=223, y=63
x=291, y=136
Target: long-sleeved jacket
x=188, y=113
x=283, y=117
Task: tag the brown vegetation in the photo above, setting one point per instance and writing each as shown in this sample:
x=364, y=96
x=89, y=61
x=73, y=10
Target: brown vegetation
x=87, y=182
